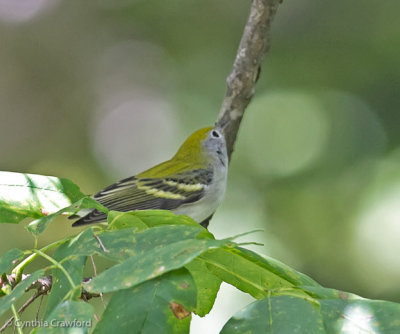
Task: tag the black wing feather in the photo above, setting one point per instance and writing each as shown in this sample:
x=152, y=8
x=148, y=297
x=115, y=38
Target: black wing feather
x=133, y=194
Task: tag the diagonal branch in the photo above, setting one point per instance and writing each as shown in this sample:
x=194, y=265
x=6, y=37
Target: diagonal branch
x=246, y=68
x=43, y=285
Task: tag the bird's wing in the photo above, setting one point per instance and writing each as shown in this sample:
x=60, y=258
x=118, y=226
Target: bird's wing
x=139, y=193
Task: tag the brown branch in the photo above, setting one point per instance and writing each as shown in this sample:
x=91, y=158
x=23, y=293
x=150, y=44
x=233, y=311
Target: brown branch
x=42, y=286
x=246, y=68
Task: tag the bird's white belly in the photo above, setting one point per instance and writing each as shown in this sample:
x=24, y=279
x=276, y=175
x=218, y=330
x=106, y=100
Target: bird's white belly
x=207, y=205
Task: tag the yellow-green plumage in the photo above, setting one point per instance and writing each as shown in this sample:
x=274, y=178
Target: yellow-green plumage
x=192, y=182
x=189, y=156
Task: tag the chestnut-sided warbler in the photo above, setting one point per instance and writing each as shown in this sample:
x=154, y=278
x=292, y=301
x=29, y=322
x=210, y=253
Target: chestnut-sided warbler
x=192, y=183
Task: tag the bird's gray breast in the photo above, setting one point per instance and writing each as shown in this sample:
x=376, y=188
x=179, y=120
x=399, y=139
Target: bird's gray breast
x=213, y=195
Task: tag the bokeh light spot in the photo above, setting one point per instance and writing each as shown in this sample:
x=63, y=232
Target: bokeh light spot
x=284, y=133
x=377, y=243
x=134, y=126
x=18, y=11
x=134, y=133
x=357, y=320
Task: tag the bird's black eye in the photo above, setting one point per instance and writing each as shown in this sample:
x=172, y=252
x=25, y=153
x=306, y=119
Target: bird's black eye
x=215, y=134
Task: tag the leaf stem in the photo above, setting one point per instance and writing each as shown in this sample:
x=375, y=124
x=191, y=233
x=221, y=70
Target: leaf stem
x=246, y=233
x=18, y=270
x=295, y=292
x=17, y=320
x=58, y=265
x=250, y=243
x=55, y=244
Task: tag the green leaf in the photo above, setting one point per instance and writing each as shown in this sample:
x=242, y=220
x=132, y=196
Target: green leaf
x=277, y=267
x=159, y=305
x=152, y=218
x=29, y=195
x=37, y=226
x=121, y=220
x=19, y=290
x=69, y=317
x=146, y=265
x=335, y=312
x=9, y=259
x=278, y=314
x=142, y=219
x=163, y=217
x=118, y=245
x=207, y=286
x=351, y=313
x=60, y=283
x=252, y=273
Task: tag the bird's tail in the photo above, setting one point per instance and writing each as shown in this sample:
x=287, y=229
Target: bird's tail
x=94, y=216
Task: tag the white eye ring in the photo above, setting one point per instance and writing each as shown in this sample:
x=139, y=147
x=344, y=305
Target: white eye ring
x=215, y=134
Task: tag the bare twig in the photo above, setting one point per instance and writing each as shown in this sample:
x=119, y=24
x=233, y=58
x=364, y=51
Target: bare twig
x=38, y=310
x=246, y=68
x=95, y=274
x=43, y=286
x=6, y=324
x=104, y=249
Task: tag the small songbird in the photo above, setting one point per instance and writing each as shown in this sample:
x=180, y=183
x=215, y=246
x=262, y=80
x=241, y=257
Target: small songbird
x=192, y=183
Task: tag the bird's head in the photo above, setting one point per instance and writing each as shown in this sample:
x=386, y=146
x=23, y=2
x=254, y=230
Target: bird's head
x=204, y=145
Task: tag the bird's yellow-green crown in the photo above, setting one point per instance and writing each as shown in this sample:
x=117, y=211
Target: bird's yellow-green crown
x=189, y=155
x=191, y=148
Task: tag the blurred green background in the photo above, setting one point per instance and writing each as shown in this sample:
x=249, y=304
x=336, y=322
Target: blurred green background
x=99, y=90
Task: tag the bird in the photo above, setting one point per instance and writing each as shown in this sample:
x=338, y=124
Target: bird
x=192, y=182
